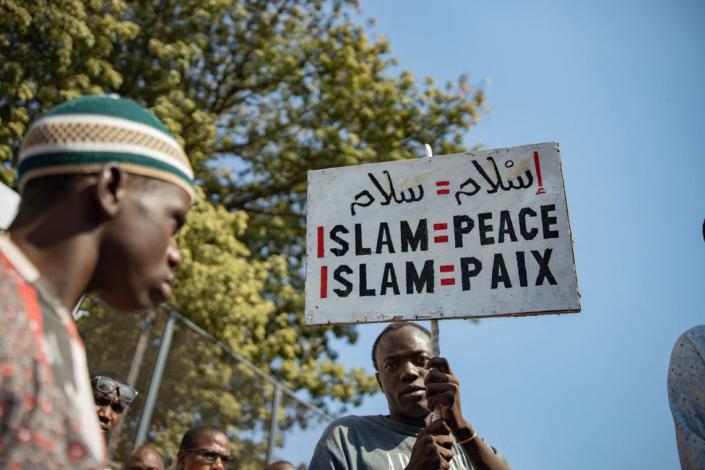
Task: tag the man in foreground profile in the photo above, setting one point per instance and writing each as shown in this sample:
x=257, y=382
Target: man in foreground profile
x=104, y=187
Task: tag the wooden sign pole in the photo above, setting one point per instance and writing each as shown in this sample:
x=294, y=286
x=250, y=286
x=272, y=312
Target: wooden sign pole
x=435, y=333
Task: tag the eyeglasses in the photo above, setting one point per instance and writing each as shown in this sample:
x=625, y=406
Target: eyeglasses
x=210, y=456
x=106, y=385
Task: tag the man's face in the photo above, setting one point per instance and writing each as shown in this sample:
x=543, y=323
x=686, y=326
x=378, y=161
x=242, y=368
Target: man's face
x=138, y=254
x=207, y=454
x=109, y=409
x=144, y=458
x=402, y=356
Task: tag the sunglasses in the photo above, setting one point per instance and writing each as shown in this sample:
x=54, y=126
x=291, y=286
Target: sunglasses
x=106, y=385
x=210, y=456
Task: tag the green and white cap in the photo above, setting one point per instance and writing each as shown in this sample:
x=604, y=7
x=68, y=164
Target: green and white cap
x=83, y=134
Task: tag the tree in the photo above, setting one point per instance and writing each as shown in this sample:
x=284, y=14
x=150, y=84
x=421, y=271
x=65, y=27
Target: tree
x=259, y=92
x=51, y=51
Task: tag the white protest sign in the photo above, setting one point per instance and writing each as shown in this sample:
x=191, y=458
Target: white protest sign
x=9, y=202
x=468, y=235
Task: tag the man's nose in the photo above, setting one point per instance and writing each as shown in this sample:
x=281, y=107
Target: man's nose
x=173, y=255
x=105, y=412
x=218, y=464
x=410, y=372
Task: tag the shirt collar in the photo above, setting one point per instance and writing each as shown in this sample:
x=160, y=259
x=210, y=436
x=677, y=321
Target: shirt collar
x=31, y=274
x=23, y=265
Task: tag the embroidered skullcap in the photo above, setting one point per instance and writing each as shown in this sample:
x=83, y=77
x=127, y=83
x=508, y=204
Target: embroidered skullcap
x=83, y=134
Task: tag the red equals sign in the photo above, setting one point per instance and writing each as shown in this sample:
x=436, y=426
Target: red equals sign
x=442, y=191
x=447, y=268
x=440, y=238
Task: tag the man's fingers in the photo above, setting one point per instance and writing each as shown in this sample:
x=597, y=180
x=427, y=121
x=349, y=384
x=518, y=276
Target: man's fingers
x=438, y=433
x=445, y=453
x=446, y=398
x=440, y=363
x=437, y=388
x=441, y=392
x=437, y=376
x=437, y=428
x=443, y=440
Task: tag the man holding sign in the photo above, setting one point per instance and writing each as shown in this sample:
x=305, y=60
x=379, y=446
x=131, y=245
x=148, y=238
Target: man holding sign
x=471, y=235
x=414, y=383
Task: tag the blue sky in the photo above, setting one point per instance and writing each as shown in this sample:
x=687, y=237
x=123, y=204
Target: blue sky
x=621, y=86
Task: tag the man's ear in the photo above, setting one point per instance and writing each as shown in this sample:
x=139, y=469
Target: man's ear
x=110, y=189
x=180, y=456
x=379, y=382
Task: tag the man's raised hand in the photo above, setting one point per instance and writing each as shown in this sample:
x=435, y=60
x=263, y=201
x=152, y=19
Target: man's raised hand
x=443, y=392
x=433, y=448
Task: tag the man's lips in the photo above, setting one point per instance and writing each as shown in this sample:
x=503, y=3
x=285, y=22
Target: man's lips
x=166, y=289
x=162, y=293
x=414, y=391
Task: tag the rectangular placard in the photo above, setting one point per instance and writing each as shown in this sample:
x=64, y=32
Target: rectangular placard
x=469, y=235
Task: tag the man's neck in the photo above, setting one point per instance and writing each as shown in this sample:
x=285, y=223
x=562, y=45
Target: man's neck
x=65, y=263
x=418, y=421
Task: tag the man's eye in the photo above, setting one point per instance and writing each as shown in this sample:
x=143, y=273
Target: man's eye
x=118, y=409
x=179, y=221
x=390, y=365
x=102, y=401
x=421, y=361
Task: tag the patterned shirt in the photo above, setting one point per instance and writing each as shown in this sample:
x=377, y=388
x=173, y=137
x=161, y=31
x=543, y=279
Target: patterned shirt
x=686, y=395
x=47, y=415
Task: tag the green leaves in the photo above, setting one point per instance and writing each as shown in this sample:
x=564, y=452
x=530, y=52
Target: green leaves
x=52, y=51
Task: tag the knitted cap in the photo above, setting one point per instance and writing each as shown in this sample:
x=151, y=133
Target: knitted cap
x=83, y=134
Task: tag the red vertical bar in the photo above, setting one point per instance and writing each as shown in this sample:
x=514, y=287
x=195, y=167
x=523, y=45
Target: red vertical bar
x=538, y=173
x=324, y=282
x=321, y=249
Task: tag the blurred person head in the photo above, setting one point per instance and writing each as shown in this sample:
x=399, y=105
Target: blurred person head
x=280, y=465
x=112, y=396
x=104, y=187
x=144, y=457
x=204, y=447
